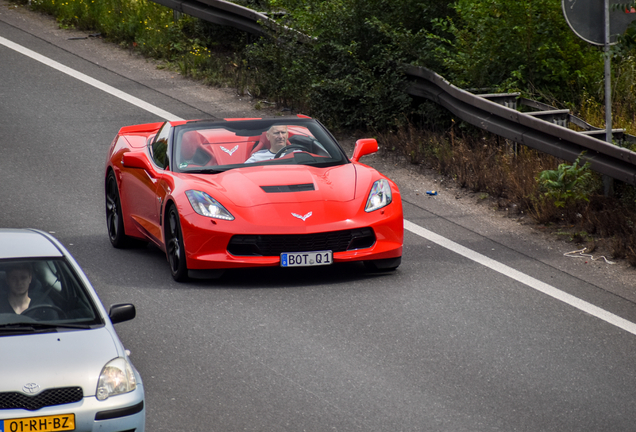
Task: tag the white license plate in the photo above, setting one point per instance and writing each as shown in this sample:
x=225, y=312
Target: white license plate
x=305, y=259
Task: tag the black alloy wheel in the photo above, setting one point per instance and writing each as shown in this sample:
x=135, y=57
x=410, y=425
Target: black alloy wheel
x=114, y=219
x=174, y=246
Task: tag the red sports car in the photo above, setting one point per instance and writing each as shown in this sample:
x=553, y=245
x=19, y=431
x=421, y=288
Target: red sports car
x=218, y=195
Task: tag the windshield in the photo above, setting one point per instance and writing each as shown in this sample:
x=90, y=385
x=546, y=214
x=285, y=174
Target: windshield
x=219, y=146
x=42, y=292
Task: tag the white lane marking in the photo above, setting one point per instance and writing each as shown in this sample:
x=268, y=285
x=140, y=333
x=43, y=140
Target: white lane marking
x=91, y=81
x=523, y=278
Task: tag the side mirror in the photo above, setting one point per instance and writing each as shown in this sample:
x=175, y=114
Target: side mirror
x=122, y=312
x=364, y=147
x=136, y=160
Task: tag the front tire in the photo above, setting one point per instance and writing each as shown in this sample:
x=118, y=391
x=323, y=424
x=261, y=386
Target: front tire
x=114, y=218
x=174, y=246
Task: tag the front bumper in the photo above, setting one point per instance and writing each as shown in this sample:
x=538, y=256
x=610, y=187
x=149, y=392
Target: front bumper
x=125, y=412
x=206, y=240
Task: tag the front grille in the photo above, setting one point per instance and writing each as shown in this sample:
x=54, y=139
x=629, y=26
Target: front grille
x=49, y=397
x=275, y=244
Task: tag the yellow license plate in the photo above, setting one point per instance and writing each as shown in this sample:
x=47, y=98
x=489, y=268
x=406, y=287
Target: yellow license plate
x=64, y=422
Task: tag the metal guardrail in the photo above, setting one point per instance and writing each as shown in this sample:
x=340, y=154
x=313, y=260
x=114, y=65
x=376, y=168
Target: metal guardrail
x=226, y=13
x=546, y=129
x=223, y=13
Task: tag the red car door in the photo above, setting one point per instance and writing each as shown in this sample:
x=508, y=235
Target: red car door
x=140, y=184
x=139, y=188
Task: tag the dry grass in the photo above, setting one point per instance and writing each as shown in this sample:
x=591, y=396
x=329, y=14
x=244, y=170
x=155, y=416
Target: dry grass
x=507, y=173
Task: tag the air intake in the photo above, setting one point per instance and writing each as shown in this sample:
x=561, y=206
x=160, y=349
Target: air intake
x=289, y=188
x=275, y=244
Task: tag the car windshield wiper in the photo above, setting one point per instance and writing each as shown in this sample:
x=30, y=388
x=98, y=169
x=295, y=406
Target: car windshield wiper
x=205, y=171
x=38, y=326
x=18, y=328
x=321, y=164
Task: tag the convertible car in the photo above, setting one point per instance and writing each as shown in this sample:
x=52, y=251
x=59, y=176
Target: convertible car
x=217, y=195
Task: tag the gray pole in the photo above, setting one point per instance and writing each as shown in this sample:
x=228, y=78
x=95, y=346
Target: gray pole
x=607, y=181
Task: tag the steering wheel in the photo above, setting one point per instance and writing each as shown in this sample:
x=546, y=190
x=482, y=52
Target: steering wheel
x=285, y=149
x=29, y=311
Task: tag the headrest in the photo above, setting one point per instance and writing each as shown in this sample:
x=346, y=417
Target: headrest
x=190, y=142
x=264, y=141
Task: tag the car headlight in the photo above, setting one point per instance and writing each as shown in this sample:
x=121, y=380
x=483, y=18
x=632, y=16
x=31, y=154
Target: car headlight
x=380, y=196
x=117, y=377
x=205, y=205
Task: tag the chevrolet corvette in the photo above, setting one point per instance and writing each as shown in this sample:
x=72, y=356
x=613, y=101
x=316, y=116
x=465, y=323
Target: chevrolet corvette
x=234, y=193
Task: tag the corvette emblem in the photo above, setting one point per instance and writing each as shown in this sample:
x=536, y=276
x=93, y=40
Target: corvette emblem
x=301, y=217
x=230, y=151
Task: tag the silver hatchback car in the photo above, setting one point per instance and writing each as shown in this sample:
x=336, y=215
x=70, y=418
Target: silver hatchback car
x=62, y=365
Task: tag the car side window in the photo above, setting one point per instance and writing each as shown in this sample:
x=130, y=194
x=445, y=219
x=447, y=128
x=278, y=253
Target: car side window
x=159, y=147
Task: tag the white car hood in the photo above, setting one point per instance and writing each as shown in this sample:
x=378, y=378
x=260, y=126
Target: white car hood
x=64, y=359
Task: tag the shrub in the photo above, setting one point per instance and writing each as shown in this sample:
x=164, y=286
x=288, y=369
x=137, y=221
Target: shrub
x=524, y=45
x=568, y=184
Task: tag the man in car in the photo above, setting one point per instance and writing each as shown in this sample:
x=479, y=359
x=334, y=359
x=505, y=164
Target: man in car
x=18, y=280
x=277, y=136
x=18, y=299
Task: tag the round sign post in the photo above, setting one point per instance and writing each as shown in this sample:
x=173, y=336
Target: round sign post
x=596, y=22
x=586, y=18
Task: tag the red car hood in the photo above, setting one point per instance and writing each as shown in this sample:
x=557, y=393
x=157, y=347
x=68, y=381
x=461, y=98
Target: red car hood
x=248, y=187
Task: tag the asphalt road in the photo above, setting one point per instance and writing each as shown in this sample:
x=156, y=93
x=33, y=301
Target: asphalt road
x=473, y=332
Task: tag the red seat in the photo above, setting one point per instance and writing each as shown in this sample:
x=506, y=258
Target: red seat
x=262, y=143
x=193, y=151
x=190, y=142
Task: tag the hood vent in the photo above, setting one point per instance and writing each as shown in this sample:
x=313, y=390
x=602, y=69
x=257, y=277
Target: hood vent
x=289, y=188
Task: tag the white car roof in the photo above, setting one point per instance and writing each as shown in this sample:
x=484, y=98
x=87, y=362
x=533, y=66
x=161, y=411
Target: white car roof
x=26, y=243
